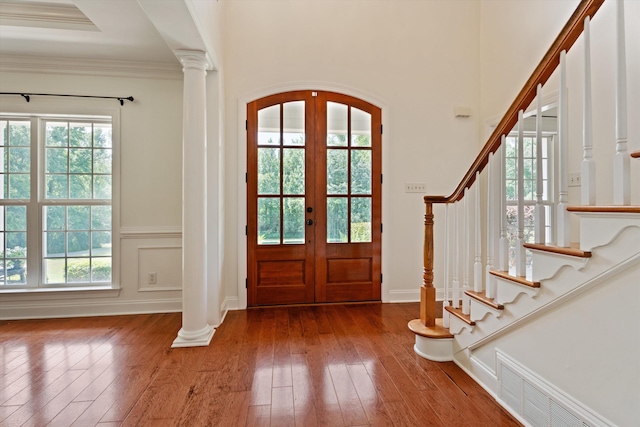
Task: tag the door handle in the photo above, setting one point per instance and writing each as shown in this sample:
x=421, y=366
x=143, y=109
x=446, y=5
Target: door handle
x=309, y=222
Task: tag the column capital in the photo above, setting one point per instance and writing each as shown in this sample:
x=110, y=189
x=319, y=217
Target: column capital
x=193, y=59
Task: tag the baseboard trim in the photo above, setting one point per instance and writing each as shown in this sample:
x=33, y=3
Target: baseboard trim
x=48, y=310
x=406, y=295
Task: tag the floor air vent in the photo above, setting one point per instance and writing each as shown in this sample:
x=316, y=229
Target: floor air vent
x=537, y=402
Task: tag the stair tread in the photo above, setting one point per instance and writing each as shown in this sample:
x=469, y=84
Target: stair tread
x=434, y=332
x=573, y=250
x=458, y=313
x=516, y=279
x=480, y=296
x=635, y=154
x=605, y=209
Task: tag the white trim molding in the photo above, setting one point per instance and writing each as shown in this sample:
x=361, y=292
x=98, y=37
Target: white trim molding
x=167, y=232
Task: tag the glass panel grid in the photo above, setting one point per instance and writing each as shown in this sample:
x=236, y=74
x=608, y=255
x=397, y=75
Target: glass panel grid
x=78, y=160
x=13, y=239
x=530, y=169
x=77, y=244
x=15, y=171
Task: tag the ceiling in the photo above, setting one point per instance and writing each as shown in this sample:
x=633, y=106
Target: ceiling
x=105, y=30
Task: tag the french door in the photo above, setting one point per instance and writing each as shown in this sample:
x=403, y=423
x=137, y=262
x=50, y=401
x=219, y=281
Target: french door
x=313, y=199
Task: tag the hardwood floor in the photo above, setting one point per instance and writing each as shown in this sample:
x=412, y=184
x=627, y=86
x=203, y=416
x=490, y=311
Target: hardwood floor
x=334, y=365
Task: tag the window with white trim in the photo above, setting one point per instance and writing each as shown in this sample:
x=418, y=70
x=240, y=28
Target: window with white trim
x=56, y=201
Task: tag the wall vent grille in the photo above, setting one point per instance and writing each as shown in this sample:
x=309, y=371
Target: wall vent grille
x=537, y=402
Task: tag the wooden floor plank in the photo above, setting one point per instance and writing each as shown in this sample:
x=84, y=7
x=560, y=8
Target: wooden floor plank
x=332, y=365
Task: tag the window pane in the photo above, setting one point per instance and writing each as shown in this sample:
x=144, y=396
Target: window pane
x=269, y=125
x=20, y=133
x=101, y=218
x=54, y=244
x=16, y=240
x=337, y=124
x=78, y=243
x=293, y=121
x=80, y=186
x=102, y=161
x=102, y=135
x=80, y=135
x=360, y=128
x=4, y=127
x=361, y=219
x=19, y=159
x=360, y=171
x=102, y=187
x=57, y=160
x=268, y=221
x=293, y=171
x=337, y=220
x=80, y=160
x=54, y=270
x=101, y=270
x=268, y=171
x=57, y=134
x=54, y=217
x=16, y=217
x=19, y=186
x=78, y=217
x=101, y=243
x=78, y=270
x=56, y=187
x=293, y=218
x=337, y=171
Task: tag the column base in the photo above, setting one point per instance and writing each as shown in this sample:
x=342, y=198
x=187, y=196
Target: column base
x=199, y=338
x=432, y=343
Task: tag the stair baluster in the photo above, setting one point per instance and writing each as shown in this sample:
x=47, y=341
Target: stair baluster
x=447, y=268
x=621, y=164
x=456, y=259
x=562, y=223
x=466, y=231
x=588, y=170
x=477, y=265
x=521, y=257
x=539, y=211
x=489, y=289
x=503, y=259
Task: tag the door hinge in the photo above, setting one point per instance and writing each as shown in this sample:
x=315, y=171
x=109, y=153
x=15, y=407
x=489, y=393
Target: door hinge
x=380, y=128
x=246, y=125
x=246, y=177
x=380, y=277
x=381, y=228
x=246, y=230
x=246, y=283
x=381, y=179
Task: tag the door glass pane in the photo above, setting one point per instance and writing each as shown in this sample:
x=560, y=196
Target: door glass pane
x=293, y=171
x=360, y=128
x=361, y=219
x=337, y=228
x=360, y=171
x=269, y=125
x=293, y=219
x=268, y=221
x=337, y=171
x=268, y=171
x=293, y=122
x=337, y=124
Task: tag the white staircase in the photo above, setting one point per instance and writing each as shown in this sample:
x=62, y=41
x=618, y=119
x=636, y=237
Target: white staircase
x=555, y=340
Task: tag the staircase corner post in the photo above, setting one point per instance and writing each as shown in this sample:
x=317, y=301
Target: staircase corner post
x=427, y=291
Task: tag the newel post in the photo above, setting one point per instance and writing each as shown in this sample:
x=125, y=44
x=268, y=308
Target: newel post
x=428, y=292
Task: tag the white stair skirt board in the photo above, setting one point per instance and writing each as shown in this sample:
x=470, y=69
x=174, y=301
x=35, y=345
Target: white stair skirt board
x=436, y=349
x=200, y=338
x=601, y=228
x=480, y=310
x=457, y=325
x=548, y=264
x=507, y=291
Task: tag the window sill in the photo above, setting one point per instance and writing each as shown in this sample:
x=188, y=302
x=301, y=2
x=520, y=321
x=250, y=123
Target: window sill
x=59, y=293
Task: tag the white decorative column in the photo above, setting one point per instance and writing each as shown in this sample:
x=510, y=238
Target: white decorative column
x=621, y=161
x=195, y=331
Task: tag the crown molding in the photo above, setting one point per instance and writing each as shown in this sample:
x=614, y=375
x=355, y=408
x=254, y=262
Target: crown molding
x=92, y=67
x=44, y=15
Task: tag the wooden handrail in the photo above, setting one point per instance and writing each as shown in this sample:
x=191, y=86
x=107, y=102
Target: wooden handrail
x=567, y=37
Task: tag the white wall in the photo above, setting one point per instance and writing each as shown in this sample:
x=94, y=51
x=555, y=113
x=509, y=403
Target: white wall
x=151, y=177
x=420, y=59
